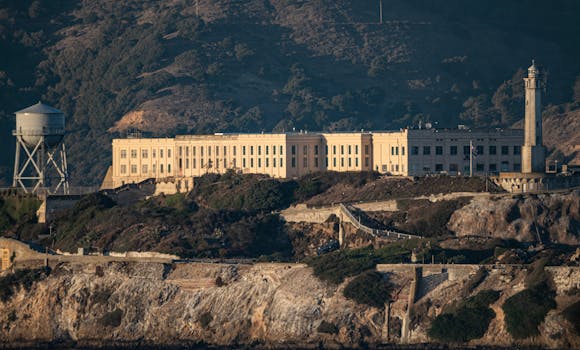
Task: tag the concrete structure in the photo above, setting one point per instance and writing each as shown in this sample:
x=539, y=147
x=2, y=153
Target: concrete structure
x=533, y=151
x=407, y=152
x=39, y=133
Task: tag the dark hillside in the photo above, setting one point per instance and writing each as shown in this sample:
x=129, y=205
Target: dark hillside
x=253, y=65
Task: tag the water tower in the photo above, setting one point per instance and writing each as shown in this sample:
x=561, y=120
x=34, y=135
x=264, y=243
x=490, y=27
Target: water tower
x=40, y=162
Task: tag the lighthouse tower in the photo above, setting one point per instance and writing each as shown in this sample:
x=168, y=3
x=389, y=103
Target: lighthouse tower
x=533, y=151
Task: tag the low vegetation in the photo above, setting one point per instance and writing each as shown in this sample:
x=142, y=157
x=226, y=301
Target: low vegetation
x=112, y=319
x=370, y=288
x=25, y=278
x=17, y=209
x=525, y=310
x=336, y=266
x=327, y=327
x=572, y=314
x=469, y=320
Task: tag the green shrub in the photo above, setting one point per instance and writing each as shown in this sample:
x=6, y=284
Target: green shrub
x=468, y=321
x=327, y=327
x=112, y=319
x=370, y=288
x=572, y=314
x=205, y=319
x=336, y=266
x=21, y=278
x=525, y=310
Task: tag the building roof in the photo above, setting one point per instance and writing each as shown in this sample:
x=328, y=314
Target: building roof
x=40, y=108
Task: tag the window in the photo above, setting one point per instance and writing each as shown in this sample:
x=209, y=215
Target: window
x=133, y=168
x=251, y=150
x=187, y=151
x=154, y=168
x=438, y=167
x=355, y=149
x=293, y=150
x=414, y=150
x=453, y=167
x=217, y=151
x=144, y=153
x=259, y=150
x=194, y=165
x=267, y=161
x=144, y=169
x=251, y=162
x=517, y=150
x=281, y=162
x=243, y=150
x=426, y=150
x=366, y=149
x=123, y=153
x=305, y=162
x=349, y=149
x=342, y=162
x=193, y=150
x=281, y=152
x=274, y=161
x=505, y=150
x=334, y=162
x=186, y=163
x=169, y=153
x=274, y=150
x=305, y=150
x=123, y=169
x=356, y=162
x=492, y=151
x=479, y=167
x=234, y=151
x=392, y=150
x=316, y=149
x=235, y=163
x=267, y=150
x=153, y=153
x=366, y=161
x=334, y=149
x=259, y=162
x=341, y=149
x=294, y=162
x=169, y=168
x=479, y=150
x=453, y=150
x=397, y=150
x=225, y=150
x=505, y=166
x=161, y=153
x=180, y=151
x=209, y=151
x=403, y=150
x=244, y=162
x=493, y=167
x=439, y=152
x=517, y=167
x=316, y=162
x=349, y=162
x=133, y=153
x=465, y=150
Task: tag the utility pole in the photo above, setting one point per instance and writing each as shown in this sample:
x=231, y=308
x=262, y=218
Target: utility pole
x=381, y=11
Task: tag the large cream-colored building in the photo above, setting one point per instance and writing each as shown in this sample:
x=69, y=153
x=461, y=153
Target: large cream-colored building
x=407, y=152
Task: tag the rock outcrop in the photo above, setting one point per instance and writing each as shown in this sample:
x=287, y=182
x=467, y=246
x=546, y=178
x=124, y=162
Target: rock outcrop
x=526, y=218
x=270, y=305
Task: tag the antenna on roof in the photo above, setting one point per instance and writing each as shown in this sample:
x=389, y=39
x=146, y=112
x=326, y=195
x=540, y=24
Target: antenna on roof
x=381, y=11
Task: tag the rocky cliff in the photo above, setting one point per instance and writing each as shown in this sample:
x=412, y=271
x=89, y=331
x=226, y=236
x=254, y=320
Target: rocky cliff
x=546, y=217
x=281, y=305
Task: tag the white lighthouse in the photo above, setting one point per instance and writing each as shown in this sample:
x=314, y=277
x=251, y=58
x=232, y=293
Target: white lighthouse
x=533, y=150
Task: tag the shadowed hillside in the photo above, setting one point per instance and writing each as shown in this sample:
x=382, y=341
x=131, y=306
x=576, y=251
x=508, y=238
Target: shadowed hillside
x=253, y=65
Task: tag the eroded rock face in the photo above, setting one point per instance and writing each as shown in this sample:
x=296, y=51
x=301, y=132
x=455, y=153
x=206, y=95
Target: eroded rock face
x=553, y=217
x=275, y=305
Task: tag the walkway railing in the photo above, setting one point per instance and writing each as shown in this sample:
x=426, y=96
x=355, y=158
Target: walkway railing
x=373, y=231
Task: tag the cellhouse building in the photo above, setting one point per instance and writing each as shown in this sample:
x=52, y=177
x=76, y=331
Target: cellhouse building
x=405, y=152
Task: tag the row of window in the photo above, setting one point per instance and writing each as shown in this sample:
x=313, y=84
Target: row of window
x=479, y=167
x=477, y=150
x=145, y=153
x=145, y=169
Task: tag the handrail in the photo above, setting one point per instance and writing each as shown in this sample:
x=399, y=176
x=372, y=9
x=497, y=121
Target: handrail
x=373, y=231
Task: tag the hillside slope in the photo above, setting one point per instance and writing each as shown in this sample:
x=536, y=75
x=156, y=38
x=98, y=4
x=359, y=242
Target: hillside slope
x=254, y=65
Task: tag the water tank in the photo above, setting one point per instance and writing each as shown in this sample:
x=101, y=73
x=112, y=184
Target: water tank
x=40, y=120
